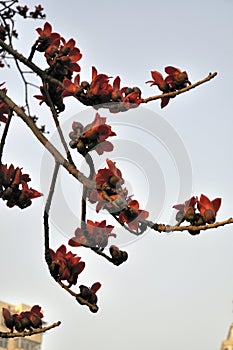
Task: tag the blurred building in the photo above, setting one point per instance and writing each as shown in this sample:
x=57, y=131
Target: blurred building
x=228, y=343
x=25, y=343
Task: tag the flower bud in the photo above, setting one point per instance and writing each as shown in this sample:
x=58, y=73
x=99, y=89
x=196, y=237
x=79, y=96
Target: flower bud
x=209, y=216
x=81, y=147
x=113, y=180
x=91, y=135
x=180, y=216
x=85, y=84
x=189, y=214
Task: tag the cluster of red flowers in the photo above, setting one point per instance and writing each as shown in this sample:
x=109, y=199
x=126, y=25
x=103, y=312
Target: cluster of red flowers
x=92, y=136
x=37, y=13
x=175, y=80
x=110, y=195
x=62, y=58
x=100, y=93
x=25, y=320
x=65, y=265
x=207, y=211
x=4, y=109
x=89, y=295
x=14, y=187
x=95, y=234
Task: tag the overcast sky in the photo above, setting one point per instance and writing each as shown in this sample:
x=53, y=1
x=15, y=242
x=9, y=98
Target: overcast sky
x=176, y=290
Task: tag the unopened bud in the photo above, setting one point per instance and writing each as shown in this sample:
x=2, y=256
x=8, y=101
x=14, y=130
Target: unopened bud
x=189, y=214
x=209, y=216
x=81, y=147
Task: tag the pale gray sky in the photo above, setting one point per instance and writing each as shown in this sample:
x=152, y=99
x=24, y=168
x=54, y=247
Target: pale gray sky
x=175, y=291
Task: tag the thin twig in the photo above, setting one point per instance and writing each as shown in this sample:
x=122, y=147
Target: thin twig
x=28, y=333
x=4, y=135
x=56, y=121
x=178, y=92
x=46, y=215
x=168, y=228
x=85, y=191
x=82, y=301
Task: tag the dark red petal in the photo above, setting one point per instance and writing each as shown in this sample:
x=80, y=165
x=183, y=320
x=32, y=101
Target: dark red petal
x=164, y=101
x=205, y=201
x=47, y=29
x=178, y=206
x=94, y=73
x=79, y=267
x=216, y=204
x=134, y=204
x=116, y=83
x=171, y=70
x=62, y=249
x=158, y=78
x=36, y=309
x=74, y=242
x=95, y=287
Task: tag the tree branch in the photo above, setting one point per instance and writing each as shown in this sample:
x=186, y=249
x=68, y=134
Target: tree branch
x=4, y=135
x=29, y=333
x=178, y=92
x=46, y=143
x=169, y=228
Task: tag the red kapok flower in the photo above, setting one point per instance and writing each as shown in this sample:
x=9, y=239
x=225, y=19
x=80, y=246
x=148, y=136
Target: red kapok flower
x=159, y=81
x=100, y=86
x=66, y=265
x=14, y=188
x=47, y=38
x=89, y=294
x=132, y=215
x=92, y=137
x=24, y=320
x=176, y=79
x=111, y=176
x=96, y=234
x=71, y=89
x=186, y=210
x=208, y=209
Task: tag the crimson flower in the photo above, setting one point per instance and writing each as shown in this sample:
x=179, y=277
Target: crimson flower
x=14, y=187
x=24, y=320
x=47, y=38
x=125, y=97
x=93, y=136
x=38, y=12
x=159, y=81
x=186, y=211
x=208, y=209
x=66, y=265
x=71, y=88
x=99, y=86
x=109, y=193
x=111, y=176
x=69, y=55
x=89, y=294
x=132, y=215
x=96, y=234
x=176, y=79
x=22, y=10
